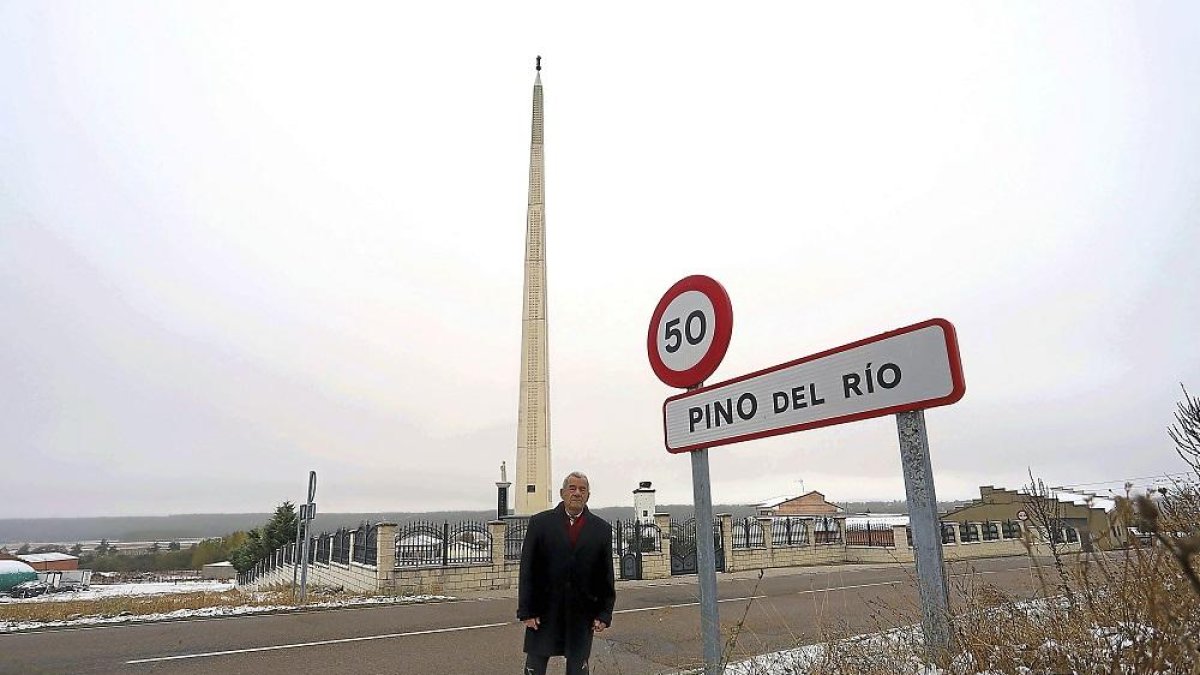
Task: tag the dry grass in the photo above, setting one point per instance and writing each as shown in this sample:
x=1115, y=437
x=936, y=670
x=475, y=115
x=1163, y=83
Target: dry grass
x=1131, y=611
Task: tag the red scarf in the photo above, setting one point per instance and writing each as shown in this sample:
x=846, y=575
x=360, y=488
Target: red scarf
x=574, y=528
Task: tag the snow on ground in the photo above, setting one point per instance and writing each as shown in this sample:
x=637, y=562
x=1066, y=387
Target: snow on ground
x=109, y=590
x=162, y=588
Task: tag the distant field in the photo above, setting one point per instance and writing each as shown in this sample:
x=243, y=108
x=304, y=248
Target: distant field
x=192, y=527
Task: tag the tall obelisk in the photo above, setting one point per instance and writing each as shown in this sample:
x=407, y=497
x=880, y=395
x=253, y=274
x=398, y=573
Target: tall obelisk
x=532, y=488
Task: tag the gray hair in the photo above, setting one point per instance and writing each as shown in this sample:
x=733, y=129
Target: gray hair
x=577, y=474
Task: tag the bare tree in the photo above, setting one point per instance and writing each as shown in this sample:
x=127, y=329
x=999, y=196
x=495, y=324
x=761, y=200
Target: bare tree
x=1046, y=512
x=1186, y=430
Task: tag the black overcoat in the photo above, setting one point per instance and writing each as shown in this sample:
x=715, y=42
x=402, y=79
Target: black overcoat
x=564, y=587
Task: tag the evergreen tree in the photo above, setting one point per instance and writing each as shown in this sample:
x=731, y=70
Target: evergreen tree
x=77, y=550
x=173, y=546
x=262, y=542
x=23, y=550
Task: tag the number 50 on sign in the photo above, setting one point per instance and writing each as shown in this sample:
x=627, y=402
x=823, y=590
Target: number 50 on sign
x=689, y=331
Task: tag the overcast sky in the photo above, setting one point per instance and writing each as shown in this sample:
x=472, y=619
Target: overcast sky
x=242, y=241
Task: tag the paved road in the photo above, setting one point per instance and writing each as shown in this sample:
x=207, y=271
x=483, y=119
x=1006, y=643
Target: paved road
x=656, y=628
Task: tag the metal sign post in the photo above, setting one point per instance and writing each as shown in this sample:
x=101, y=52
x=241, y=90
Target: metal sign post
x=926, y=530
x=296, y=554
x=688, y=337
x=309, y=511
x=706, y=563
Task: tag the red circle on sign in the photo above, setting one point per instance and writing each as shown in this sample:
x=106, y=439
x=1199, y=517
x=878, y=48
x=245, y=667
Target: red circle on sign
x=722, y=330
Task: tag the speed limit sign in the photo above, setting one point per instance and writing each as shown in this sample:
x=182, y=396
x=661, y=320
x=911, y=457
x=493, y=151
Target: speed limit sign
x=689, y=331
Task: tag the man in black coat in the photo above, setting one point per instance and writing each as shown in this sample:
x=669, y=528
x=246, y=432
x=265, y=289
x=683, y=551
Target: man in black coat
x=566, y=591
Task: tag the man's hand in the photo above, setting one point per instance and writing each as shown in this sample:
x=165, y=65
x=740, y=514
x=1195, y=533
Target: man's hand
x=532, y=623
x=598, y=626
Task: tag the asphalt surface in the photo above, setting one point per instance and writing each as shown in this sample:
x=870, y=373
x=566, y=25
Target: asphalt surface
x=656, y=628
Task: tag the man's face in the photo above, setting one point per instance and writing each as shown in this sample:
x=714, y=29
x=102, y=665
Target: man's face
x=575, y=494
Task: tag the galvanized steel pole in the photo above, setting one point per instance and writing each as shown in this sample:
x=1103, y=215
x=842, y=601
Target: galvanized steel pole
x=926, y=531
x=706, y=560
x=296, y=558
x=308, y=516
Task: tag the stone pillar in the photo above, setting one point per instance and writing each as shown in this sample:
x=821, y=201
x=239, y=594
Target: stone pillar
x=663, y=521
x=900, y=536
x=385, y=546
x=764, y=524
x=811, y=524
x=957, y=533
x=496, y=529
x=385, y=556
x=727, y=540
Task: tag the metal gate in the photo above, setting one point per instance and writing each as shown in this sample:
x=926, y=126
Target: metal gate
x=683, y=547
x=630, y=540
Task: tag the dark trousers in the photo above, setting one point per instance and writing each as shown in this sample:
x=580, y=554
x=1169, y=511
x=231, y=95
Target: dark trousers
x=536, y=665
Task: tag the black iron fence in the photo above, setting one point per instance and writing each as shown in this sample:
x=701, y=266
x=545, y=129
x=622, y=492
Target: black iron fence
x=631, y=535
x=747, y=533
x=948, y=534
x=1063, y=535
x=322, y=548
x=869, y=534
x=1011, y=529
x=514, y=537
x=968, y=532
x=826, y=530
x=366, y=539
x=789, y=531
x=341, y=547
x=426, y=544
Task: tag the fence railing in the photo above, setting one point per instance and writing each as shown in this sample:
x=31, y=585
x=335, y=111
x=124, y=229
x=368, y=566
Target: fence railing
x=425, y=544
x=428, y=544
x=1011, y=529
x=514, y=537
x=790, y=531
x=632, y=535
x=868, y=534
x=366, y=539
x=826, y=531
x=340, y=552
x=747, y=533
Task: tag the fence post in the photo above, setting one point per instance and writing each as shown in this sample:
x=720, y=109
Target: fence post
x=497, y=530
x=445, y=543
x=663, y=521
x=764, y=524
x=727, y=539
x=385, y=556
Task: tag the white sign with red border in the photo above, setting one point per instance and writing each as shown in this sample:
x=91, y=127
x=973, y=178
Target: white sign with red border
x=910, y=368
x=689, y=331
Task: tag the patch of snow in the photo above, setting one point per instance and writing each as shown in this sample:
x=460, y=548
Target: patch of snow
x=878, y=519
x=111, y=590
x=222, y=611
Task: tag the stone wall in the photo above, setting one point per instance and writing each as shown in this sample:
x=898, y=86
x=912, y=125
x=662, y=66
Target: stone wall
x=501, y=574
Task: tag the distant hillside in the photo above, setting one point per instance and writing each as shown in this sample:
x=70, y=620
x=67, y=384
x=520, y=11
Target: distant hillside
x=201, y=525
